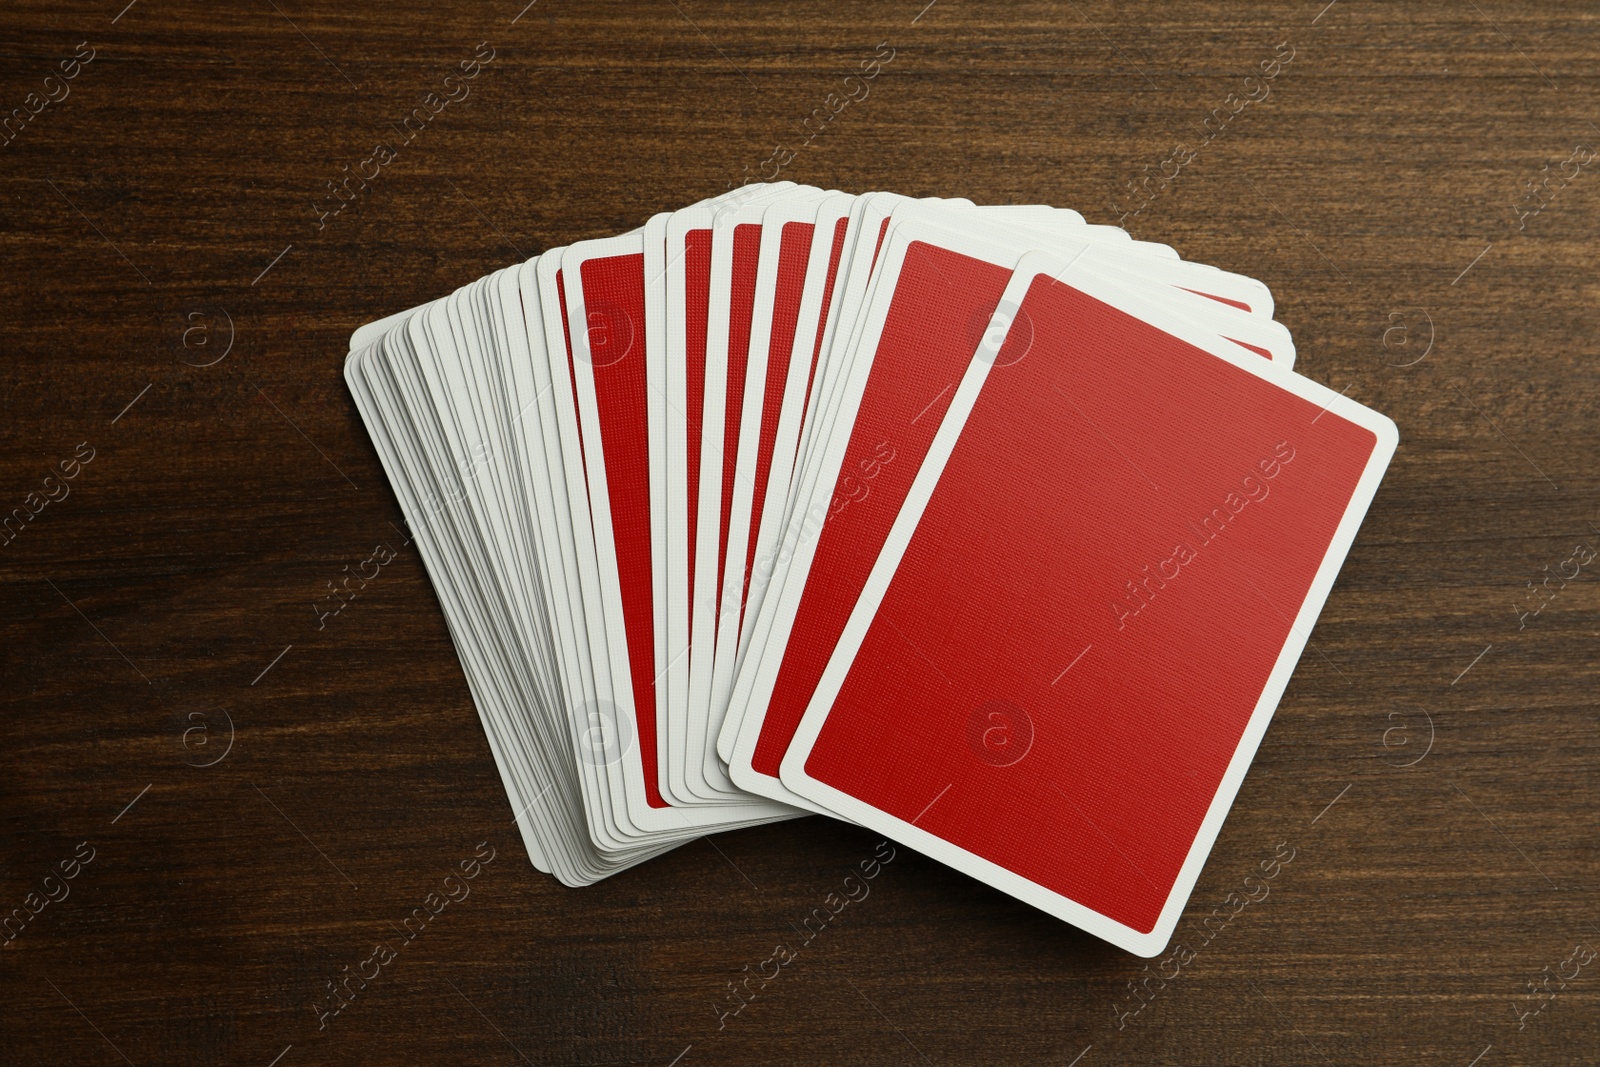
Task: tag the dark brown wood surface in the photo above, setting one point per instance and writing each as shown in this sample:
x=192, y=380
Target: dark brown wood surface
x=1431, y=769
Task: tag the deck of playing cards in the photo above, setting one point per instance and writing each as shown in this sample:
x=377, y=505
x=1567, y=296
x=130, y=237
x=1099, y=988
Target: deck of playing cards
x=994, y=531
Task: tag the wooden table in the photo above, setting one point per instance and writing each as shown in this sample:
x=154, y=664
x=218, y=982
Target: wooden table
x=247, y=801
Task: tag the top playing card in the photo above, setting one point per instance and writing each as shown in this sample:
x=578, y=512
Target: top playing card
x=1090, y=603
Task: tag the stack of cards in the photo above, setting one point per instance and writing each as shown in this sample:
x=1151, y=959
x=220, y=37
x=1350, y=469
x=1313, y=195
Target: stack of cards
x=993, y=531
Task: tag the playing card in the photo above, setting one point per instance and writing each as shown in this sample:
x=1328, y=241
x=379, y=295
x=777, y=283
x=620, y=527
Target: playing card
x=802, y=244
x=735, y=262
x=681, y=366
x=1087, y=608
x=603, y=286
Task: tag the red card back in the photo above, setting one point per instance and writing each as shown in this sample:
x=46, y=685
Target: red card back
x=613, y=298
x=927, y=343
x=834, y=256
x=794, y=251
x=1089, y=608
x=741, y=307
x=696, y=310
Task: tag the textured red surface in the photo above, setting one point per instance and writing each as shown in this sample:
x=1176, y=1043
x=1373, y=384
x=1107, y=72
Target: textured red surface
x=746, y=258
x=613, y=290
x=839, y=231
x=793, y=253
x=696, y=300
x=1086, y=466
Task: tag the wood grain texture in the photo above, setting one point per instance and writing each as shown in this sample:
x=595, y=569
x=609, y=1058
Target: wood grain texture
x=1375, y=190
